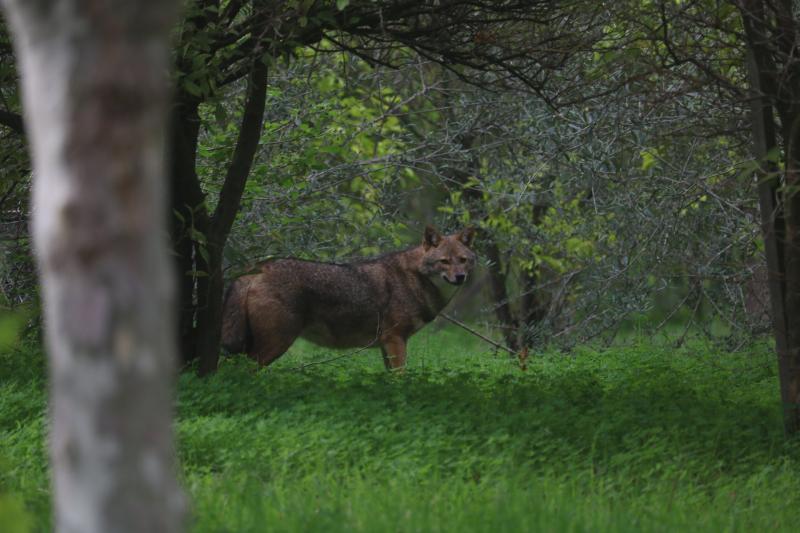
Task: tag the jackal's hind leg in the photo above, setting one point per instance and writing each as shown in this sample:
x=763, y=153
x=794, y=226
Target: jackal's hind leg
x=394, y=353
x=272, y=338
x=266, y=354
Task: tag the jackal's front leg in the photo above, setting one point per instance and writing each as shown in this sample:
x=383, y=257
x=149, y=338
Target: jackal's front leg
x=394, y=353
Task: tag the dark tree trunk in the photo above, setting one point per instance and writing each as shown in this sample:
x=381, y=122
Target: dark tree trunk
x=789, y=365
x=780, y=215
x=533, y=306
x=209, y=316
x=211, y=288
x=95, y=98
x=198, y=237
x=186, y=199
x=497, y=279
x=534, y=302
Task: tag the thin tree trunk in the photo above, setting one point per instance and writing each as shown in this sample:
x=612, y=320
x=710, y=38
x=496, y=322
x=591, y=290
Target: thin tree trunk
x=786, y=38
x=95, y=99
x=210, y=287
x=186, y=199
x=534, y=304
x=773, y=221
x=199, y=238
x=533, y=308
x=790, y=361
x=497, y=279
x=209, y=317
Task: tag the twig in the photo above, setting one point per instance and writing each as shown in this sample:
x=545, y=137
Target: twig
x=371, y=344
x=477, y=334
x=332, y=359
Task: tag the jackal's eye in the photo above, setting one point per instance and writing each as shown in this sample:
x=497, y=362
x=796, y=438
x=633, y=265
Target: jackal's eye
x=444, y=261
x=462, y=259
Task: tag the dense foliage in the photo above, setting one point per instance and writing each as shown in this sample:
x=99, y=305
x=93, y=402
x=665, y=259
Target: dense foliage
x=593, y=213
x=610, y=183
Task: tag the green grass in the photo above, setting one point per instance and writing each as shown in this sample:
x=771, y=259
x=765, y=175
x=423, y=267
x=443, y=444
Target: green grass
x=637, y=438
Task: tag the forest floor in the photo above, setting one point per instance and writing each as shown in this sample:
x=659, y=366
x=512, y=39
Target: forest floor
x=641, y=437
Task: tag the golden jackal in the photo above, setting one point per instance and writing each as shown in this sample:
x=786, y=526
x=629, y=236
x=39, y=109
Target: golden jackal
x=374, y=302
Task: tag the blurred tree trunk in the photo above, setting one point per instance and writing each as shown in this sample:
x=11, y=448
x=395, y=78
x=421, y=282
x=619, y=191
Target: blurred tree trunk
x=95, y=99
x=771, y=35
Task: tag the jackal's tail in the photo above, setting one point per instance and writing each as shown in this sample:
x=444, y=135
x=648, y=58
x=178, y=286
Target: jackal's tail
x=235, y=329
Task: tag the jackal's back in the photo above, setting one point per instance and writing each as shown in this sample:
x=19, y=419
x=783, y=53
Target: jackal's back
x=337, y=305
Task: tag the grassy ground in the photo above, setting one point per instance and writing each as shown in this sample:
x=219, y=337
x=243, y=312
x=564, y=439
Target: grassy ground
x=643, y=438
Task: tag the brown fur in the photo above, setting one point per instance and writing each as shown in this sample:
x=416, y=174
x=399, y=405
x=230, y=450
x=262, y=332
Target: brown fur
x=375, y=302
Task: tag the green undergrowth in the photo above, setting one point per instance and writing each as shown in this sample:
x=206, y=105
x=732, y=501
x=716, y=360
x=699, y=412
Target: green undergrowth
x=636, y=438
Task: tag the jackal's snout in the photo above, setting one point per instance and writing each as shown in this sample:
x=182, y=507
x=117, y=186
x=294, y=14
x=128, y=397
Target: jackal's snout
x=455, y=279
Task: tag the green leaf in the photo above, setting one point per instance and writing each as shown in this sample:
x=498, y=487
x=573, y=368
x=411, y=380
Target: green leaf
x=192, y=88
x=649, y=158
x=197, y=236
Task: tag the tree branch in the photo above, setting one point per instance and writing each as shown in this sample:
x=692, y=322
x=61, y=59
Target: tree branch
x=243, y=155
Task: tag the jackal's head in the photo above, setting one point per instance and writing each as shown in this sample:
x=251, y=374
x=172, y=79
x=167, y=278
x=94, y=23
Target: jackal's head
x=448, y=256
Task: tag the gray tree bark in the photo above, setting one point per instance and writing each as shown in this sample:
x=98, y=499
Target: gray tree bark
x=94, y=75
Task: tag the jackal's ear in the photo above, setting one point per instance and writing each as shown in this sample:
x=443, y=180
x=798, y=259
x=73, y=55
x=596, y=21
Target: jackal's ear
x=467, y=235
x=432, y=237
